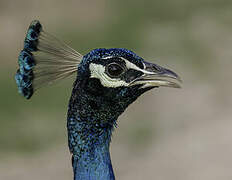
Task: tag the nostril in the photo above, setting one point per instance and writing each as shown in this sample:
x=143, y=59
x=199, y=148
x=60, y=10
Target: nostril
x=156, y=68
x=153, y=67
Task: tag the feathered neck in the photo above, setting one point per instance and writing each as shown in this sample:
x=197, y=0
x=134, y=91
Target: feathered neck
x=91, y=120
x=92, y=114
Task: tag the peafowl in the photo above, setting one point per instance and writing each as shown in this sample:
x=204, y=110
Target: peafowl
x=107, y=81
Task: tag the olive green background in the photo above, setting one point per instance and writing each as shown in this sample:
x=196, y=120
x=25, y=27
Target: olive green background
x=178, y=134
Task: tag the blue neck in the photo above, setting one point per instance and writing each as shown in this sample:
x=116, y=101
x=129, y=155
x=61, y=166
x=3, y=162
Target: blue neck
x=94, y=164
x=92, y=114
x=90, y=122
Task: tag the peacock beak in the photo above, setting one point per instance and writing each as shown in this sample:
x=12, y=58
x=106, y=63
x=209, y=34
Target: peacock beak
x=156, y=76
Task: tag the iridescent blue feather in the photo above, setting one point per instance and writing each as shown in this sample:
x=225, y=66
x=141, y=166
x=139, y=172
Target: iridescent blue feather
x=44, y=59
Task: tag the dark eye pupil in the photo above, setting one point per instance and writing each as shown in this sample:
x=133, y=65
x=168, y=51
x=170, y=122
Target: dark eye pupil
x=114, y=70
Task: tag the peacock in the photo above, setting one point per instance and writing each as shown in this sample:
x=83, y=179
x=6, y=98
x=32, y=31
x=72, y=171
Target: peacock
x=107, y=82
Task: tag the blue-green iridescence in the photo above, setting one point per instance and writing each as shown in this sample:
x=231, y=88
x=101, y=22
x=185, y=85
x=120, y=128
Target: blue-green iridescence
x=24, y=75
x=31, y=40
x=93, y=109
x=92, y=114
x=98, y=54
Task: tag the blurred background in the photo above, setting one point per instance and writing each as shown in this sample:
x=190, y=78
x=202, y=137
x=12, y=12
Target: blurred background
x=178, y=134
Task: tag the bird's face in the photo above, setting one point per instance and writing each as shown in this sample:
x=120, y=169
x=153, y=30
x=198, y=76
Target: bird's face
x=120, y=75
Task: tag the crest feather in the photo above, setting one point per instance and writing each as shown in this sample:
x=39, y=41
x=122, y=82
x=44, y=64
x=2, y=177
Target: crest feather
x=43, y=60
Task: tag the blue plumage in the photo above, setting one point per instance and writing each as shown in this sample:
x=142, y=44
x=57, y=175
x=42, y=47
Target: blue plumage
x=93, y=111
x=31, y=40
x=100, y=53
x=26, y=61
x=24, y=75
x=107, y=82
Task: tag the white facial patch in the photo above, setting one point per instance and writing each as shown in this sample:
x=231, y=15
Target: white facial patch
x=130, y=65
x=98, y=71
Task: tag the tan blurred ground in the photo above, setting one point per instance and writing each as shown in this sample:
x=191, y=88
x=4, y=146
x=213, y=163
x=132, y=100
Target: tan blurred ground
x=167, y=133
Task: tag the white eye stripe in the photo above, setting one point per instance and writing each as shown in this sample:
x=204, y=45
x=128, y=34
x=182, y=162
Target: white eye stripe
x=98, y=71
x=108, y=57
x=130, y=65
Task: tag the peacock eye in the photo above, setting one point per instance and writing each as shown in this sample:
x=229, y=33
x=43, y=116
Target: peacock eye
x=114, y=69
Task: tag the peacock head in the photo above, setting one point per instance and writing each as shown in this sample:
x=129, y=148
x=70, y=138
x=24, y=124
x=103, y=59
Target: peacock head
x=120, y=75
x=116, y=75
